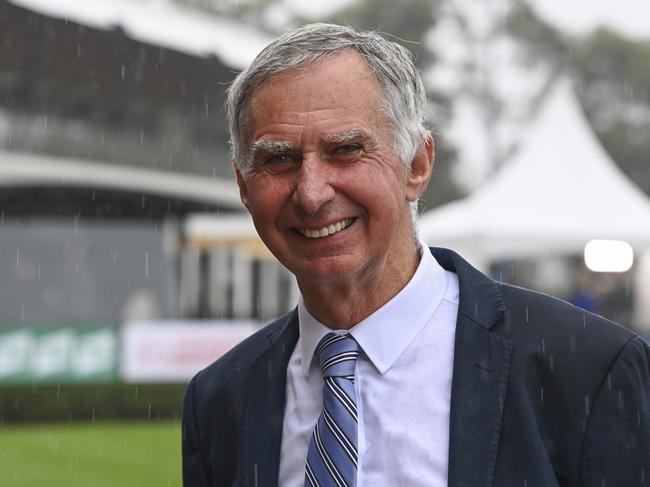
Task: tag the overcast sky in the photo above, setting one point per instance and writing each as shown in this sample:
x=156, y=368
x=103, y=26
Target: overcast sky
x=629, y=17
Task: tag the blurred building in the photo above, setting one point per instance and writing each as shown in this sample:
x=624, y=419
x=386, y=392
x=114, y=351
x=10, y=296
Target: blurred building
x=111, y=133
x=102, y=82
x=112, y=146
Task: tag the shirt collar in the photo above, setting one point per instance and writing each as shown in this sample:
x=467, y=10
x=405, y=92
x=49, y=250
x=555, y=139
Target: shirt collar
x=386, y=333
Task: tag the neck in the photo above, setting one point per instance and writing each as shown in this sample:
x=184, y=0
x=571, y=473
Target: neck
x=342, y=305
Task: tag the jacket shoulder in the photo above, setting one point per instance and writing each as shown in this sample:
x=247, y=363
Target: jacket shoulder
x=214, y=403
x=554, y=315
x=231, y=368
x=556, y=339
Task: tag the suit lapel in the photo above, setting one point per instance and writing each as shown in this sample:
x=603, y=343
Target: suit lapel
x=264, y=408
x=481, y=364
x=480, y=376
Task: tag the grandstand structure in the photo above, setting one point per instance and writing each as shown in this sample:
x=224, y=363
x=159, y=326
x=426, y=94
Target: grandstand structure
x=112, y=138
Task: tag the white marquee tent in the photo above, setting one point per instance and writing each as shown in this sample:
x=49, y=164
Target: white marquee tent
x=560, y=190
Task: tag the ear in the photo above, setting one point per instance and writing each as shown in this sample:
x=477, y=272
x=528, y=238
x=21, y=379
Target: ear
x=243, y=189
x=419, y=172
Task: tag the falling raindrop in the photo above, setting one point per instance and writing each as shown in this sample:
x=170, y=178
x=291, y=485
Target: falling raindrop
x=620, y=401
x=526, y=314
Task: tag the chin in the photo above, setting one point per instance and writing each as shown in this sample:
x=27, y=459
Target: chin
x=327, y=271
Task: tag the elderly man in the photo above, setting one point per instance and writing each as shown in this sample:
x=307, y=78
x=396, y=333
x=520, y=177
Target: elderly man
x=402, y=365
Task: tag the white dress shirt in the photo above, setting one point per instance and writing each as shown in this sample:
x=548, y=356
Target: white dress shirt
x=403, y=386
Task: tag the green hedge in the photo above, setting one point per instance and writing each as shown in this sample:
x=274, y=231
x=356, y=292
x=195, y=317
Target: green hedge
x=90, y=402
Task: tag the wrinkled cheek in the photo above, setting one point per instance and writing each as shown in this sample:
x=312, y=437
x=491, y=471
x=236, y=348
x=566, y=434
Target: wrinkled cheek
x=266, y=198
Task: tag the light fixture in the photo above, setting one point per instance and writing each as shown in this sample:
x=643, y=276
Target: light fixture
x=608, y=256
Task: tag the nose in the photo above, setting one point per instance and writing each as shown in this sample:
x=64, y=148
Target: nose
x=313, y=188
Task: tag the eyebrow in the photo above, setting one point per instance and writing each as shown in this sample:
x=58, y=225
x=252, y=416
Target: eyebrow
x=349, y=136
x=270, y=147
x=283, y=146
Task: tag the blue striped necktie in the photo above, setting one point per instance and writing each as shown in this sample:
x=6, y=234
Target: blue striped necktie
x=332, y=453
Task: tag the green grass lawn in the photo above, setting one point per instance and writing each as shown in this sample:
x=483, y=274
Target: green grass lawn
x=138, y=454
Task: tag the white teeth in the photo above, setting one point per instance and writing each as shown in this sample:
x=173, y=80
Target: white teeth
x=328, y=230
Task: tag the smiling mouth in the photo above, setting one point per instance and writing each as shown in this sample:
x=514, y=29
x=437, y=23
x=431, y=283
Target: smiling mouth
x=328, y=230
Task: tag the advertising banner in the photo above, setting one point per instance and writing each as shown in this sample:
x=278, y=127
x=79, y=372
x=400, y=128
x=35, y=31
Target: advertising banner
x=175, y=351
x=58, y=354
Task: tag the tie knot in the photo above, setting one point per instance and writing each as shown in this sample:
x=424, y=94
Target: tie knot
x=338, y=355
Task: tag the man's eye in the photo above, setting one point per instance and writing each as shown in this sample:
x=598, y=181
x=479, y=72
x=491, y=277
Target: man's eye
x=278, y=159
x=347, y=148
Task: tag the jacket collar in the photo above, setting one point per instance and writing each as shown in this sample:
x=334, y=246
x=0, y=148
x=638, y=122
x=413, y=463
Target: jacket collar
x=480, y=297
x=264, y=408
x=480, y=376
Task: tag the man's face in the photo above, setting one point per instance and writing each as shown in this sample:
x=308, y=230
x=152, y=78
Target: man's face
x=327, y=193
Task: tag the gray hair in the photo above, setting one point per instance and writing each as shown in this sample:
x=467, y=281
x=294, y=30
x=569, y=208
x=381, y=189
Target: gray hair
x=392, y=64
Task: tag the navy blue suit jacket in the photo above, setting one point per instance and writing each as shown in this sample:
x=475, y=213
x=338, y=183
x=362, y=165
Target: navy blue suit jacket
x=543, y=395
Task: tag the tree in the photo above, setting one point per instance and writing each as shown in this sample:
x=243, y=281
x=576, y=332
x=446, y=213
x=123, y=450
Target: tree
x=612, y=74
